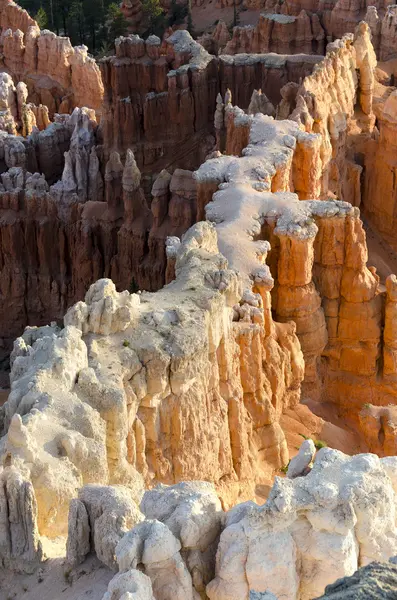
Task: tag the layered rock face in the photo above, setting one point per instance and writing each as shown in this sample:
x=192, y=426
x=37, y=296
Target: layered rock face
x=57, y=75
x=279, y=33
x=244, y=73
x=158, y=96
x=383, y=31
x=323, y=283
x=269, y=296
x=327, y=524
x=340, y=17
x=379, y=196
x=95, y=216
x=128, y=363
x=296, y=26
x=338, y=517
x=151, y=380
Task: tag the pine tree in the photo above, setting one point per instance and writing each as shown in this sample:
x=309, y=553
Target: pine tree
x=116, y=23
x=236, y=15
x=154, y=16
x=41, y=18
x=178, y=13
x=189, y=17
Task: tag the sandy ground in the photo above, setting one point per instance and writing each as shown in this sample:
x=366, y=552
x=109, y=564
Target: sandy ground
x=54, y=581
x=205, y=17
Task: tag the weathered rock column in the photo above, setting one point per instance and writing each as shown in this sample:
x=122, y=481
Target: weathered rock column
x=298, y=299
x=390, y=331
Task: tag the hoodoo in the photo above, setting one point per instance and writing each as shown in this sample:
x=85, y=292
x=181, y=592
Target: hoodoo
x=198, y=322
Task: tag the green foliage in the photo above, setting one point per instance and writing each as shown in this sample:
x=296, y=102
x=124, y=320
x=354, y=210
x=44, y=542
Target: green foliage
x=285, y=468
x=154, y=17
x=236, y=15
x=126, y=344
x=178, y=13
x=318, y=443
x=41, y=18
x=116, y=22
x=90, y=22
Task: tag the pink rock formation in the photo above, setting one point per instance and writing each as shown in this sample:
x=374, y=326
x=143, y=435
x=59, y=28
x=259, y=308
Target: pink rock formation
x=279, y=33
x=216, y=41
x=57, y=75
x=378, y=194
x=132, y=10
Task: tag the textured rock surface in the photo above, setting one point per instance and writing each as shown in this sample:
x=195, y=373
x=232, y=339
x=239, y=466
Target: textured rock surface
x=99, y=518
x=57, y=75
x=197, y=380
x=279, y=33
x=146, y=384
x=99, y=221
x=379, y=189
x=311, y=531
x=376, y=581
x=339, y=17
x=193, y=513
x=191, y=382
x=132, y=585
x=20, y=546
x=95, y=215
x=301, y=463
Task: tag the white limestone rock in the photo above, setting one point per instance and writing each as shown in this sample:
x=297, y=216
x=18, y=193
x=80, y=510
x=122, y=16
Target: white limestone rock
x=152, y=545
x=102, y=515
x=131, y=585
x=104, y=311
x=20, y=546
x=78, y=542
x=56, y=440
x=301, y=462
x=193, y=512
x=311, y=531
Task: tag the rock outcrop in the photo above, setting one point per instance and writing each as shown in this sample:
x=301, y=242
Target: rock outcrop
x=132, y=10
x=281, y=33
x=376, y=581
x=99, y=518
x=95, y=214
x=378, y=195
x=57, y=75
x=311, y=531
x=336, y=518
x=159, y=96
x=20, y=546
x=339, y=17
x=147, y=383
x=192, y=381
